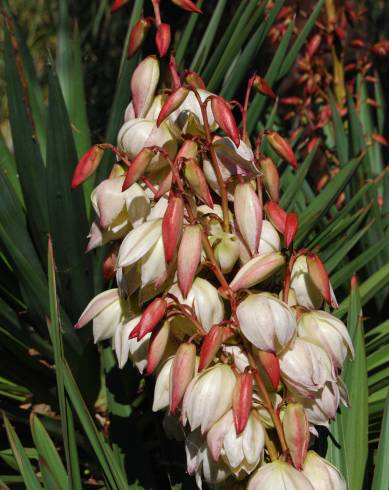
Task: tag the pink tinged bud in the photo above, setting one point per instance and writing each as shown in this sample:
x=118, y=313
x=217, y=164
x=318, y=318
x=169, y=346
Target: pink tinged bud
x=242, y=400
x=189, y=255
x=291, y=225
x=138, y=167
x=181, y=373
x=296, y=429
x=109, y=266
x=319, y=276
x=267, y=322
x=172, y=223
x=164, y=186
x=276, y=215
x=150, y=318
x=271, y=365
x=313, y=44
x=172, y=103
x=271, y=178
x=144, y=81
x=137, y=36
x=281, y=147
x=224, y=118
x=257, y=270
x=192, y=78
x=379, y=138
x=187, y=5
x=157, y=346
x=117, y=4
x=197, y=181
x=188, y=150
x=87, y=165
x=210, y=346
x=162, y=39
x=262, y=87
x=248, y=214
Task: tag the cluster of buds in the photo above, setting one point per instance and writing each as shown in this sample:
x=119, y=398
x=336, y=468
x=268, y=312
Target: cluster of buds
x=212, y=297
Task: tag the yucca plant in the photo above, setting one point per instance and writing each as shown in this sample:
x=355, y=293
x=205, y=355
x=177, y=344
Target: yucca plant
x=71, y=417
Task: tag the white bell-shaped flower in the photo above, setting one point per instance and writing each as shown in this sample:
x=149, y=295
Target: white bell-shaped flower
x=279, y=475
x=322, y=474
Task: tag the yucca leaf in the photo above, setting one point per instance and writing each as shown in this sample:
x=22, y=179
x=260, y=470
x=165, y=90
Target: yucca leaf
x=50, y=463
x=381, y=470
x=379, y=97
x=341, y=141
x=68, y=224
x=27, y=471
x=9, y=171
x=356, y=132
x=185, y=37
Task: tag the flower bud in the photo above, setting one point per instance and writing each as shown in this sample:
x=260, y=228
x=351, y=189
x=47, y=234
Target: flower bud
x=117, y=4
x=197, y=181
x=241, y=452
x=242, y=400
x=276, y=215
x=226, y=251
x=329, y=332
x=224, y=118
x=157, y=346
x=162, y=387
x=291, y=225
x=322, y=474
x=174, y=100
x=296, y=429
x=192, y=78
x=260, y=85
x=172, y=223
x=281, y=147
x=267, y=322
x=257, y=270
x=181, y=374
x=189, y=255
x=279, y=475
x=320, y=279
x=271, y=178
x=208, y=397
x=271, y=365
x=87, y=165
x=150, y=318
x=211, y=344
x=248, y=213
x=162, y=39
x=307, y=294
x=137, y=36
x=138, y=167
x=144, y=81
x=306, y=367
x=187, y=5
x=313, y=45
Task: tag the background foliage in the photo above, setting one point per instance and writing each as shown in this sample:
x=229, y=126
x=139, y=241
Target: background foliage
x=71, y=419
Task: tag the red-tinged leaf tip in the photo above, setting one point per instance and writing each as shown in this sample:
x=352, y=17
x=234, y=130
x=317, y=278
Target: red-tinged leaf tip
x=225, y=119
x=87, y=165
x=354, y=281
x=181, y=374
x=319, y=276
x=187, y=5
x=138, y=167
x=137, y=36
x=281, y=147
x=172, y=223
x=211, y=344
x=291, y=225
x=271, y=365
x=260, y=85
x=117, y=4
x=194, y=80
x=150, y=318
x=379, y=138
x=162, y=39
x=242, y=400
x=189, y=255
x=172, y=103
x=276, y=215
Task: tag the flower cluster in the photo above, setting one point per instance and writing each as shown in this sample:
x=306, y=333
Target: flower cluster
x=212, y=297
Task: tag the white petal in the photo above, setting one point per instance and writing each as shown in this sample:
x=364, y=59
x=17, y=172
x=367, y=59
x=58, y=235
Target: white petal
x=97, y=305
x=138, y=242
x=107, y=321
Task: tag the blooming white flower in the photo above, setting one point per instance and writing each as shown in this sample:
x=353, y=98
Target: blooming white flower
x=279, y=475
x=125, y=347
x=162, y=386
x=208, y=397
x=322, y=474
x=267, y=322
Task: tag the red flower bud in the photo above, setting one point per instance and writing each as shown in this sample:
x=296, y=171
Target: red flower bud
x=187, y=5
x=150, y=318
x=281, y=147
x=117, y=4
x=172, y=226
x=192, y=78
x=87, y=165
x=109, y=266
x=262, y=87
x=189, y=255
x=296, y=429
x=319, y=276
x=172, y=103
x=271, y=178
x=181, y=374
x=276, y=215
x=224, y=118
x=271, y=365
x=157, y=345
x=380, y=139
x=197, y=181
x=138, y=167
x=211, y=344
x=137, y=36
x=242, y=400
x=381, y=48
x=291, y=225
x=313, y=44
x=162, y=39
x=164, y=186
